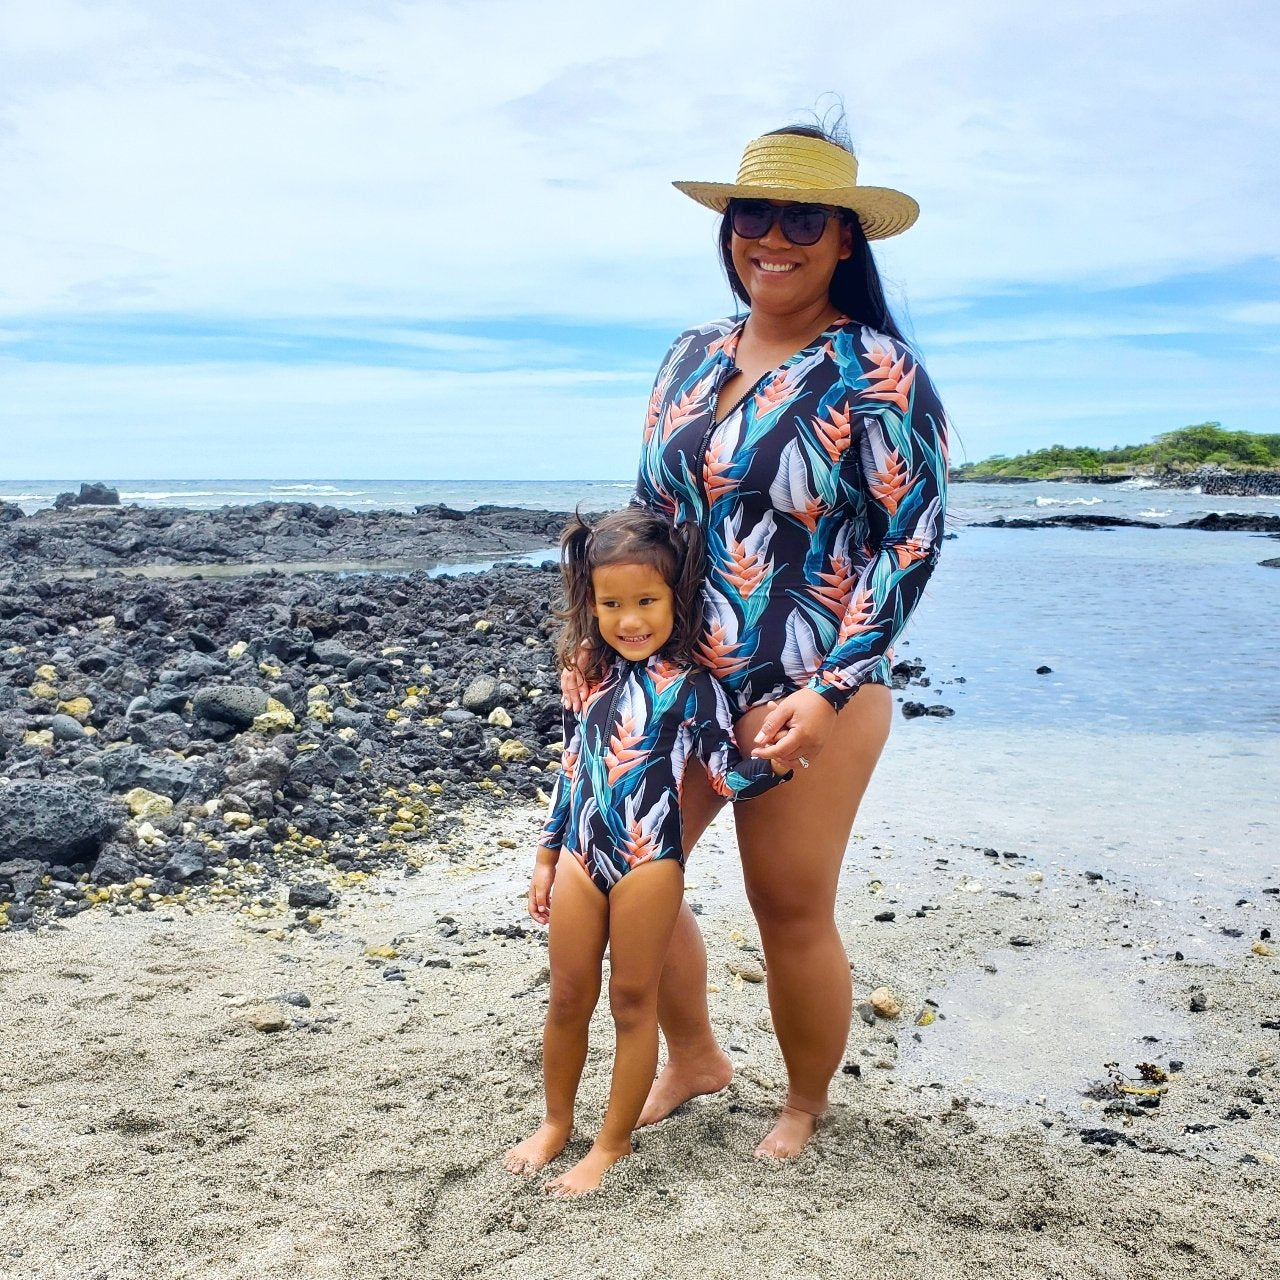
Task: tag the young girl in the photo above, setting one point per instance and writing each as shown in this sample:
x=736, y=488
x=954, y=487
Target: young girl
x=632, y=587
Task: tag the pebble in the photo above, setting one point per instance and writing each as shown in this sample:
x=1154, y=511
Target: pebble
x=269, y=1020
x=747, y=972
x=884, y=1003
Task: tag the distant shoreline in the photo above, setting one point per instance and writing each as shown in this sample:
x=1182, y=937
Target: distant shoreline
x=1213, y=480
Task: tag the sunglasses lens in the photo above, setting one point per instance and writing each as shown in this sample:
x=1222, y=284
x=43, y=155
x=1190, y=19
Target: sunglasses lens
x=803, y=224
x=751, y=219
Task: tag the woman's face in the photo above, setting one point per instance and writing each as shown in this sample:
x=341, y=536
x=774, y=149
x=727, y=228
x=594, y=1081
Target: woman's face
x=783, y=277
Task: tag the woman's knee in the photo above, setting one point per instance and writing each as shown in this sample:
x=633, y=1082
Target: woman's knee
x=787, y=916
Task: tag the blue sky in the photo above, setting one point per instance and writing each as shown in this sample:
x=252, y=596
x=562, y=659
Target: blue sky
x=438, y=240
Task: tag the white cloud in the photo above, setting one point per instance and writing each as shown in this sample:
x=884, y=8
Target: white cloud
x=363, y=165
x=498, y=158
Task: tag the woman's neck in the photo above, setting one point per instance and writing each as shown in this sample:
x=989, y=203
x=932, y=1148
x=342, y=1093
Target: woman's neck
x=791, y=328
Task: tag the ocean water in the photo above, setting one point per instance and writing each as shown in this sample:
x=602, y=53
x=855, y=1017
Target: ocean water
x=970, y=503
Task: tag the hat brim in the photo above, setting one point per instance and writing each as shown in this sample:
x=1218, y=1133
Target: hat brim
x=882, y=211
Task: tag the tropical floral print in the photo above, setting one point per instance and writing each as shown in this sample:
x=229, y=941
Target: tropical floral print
x=822, y=495
x=617, y=799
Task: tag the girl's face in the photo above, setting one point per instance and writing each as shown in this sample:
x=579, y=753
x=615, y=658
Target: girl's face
x=634, y=608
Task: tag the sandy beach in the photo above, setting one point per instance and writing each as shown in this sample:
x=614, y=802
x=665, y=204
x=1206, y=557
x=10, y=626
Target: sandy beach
x=158, y=1127
x=202, y=1081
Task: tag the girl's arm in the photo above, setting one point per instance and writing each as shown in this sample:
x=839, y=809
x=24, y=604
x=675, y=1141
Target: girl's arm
x=731, y=774
x=555, y=828
x=902, y=455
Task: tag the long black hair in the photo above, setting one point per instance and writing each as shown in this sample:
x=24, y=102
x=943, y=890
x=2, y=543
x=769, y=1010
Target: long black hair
x=633, y=535
x=855, y=287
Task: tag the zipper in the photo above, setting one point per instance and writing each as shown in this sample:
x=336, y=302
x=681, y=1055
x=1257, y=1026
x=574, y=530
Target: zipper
x=730, y=370
x=617, y=693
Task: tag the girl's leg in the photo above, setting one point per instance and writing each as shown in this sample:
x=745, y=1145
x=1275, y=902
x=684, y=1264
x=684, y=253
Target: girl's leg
x=695, y=1062
x=642, y=912
x=579, y=929
x=793, y=841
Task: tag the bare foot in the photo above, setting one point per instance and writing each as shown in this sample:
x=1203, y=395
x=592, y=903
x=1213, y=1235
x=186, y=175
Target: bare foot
x=792, y=1129
x=538, y=1149
x=584, y=1177
x=675, y=1085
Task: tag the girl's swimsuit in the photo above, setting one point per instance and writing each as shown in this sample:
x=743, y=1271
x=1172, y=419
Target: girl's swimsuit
x=821, y=493
x=617, y=800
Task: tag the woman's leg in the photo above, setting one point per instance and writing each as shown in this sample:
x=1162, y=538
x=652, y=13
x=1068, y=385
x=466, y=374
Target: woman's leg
x=793, y=840
x=579, y=930
x=642, y=912
x=695, y=1062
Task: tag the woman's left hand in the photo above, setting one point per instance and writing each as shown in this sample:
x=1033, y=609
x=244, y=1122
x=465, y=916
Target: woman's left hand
x=796, y=727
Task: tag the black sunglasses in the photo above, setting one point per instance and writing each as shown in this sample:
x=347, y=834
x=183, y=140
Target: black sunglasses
x=801, y=224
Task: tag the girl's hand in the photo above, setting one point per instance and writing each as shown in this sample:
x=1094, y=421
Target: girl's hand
x=796, y=727
x=544, y=875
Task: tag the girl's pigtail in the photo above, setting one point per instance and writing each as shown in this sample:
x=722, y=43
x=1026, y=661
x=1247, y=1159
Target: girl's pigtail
x=690, y=551
x=575, y=605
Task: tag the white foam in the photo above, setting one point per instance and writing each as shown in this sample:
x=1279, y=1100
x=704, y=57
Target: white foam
x=1067, y=502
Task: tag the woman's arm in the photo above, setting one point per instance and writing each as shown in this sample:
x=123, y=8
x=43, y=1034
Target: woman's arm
x=902, y=457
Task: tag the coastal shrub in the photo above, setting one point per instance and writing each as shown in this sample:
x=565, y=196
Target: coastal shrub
x=1187, y=447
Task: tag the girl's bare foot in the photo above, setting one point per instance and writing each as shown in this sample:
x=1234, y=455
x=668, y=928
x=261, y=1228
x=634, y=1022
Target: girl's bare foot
x=584, y=1177
x=677, y=1083
x=537, y=1150
x=791, y=1131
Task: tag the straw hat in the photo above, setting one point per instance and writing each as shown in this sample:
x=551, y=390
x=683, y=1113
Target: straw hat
x=789, y=166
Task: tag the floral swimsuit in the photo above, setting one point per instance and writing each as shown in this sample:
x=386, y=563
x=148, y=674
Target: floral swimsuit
x=617, y=801
x=822, y=496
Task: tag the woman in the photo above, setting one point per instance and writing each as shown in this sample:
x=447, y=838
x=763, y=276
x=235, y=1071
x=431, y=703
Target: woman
x=809, y=444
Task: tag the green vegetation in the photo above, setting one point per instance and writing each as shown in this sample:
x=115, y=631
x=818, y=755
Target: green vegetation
x=1176, y=450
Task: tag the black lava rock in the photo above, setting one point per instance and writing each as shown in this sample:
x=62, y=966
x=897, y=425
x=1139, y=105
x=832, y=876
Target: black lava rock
x=311, y=895
x=54, y=821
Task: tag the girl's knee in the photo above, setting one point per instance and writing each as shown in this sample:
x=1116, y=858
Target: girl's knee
x=632, y=1004
x=572, y=1001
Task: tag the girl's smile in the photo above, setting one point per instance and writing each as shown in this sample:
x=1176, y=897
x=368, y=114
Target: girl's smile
x=634, y=609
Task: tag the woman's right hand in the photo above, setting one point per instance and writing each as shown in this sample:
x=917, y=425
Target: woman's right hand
x=573, y=688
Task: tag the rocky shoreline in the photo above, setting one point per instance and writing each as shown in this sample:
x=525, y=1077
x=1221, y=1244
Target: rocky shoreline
x=265, y=739
x=1230, y=522
x=108, y=536
x=1211, y=479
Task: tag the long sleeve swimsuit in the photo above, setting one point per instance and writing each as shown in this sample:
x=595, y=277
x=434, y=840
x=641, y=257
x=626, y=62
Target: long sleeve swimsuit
x=616, y=803
x=822, y=496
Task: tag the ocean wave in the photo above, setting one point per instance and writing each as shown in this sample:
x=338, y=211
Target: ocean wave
x=26, y=497
x=1067, y=502
x=1151, y=515
x=160, y=495
x=1138, y=482
x=315, y=488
